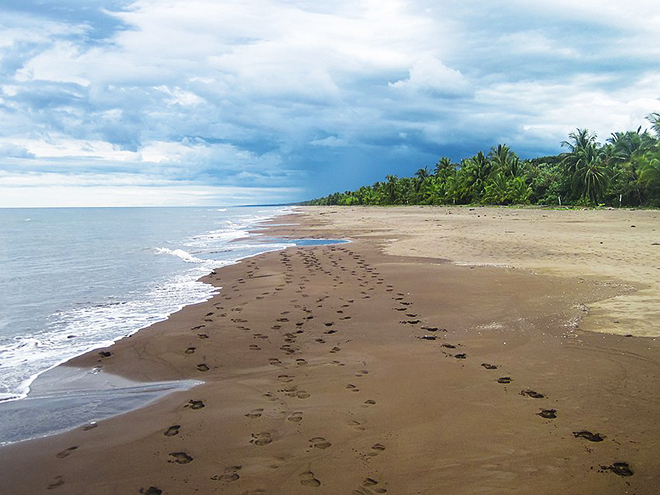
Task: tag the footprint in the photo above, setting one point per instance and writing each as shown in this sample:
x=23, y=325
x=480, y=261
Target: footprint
x=254, y=414
x=172, y=430
x=432, y=329
x=307, y=479
x=319, y=443
x=105, y=354
x=152, y=490
x=261, y=439
x=285, y=378
x=362, y=373
x=202, y=336
x=369, y=487
x=489, y=366
x=356, y=425
x=448, y=346
x=203, y=367
x=619, y=468
x=376, y=449
x=231, y=474
x=532, y=394
x=59, y=481
x=548, y=413
x=505, y=379
x=462, y=355
x=195, y=404
x=180, y=458
x=274, y=362
x=190, y=350
x=587, y=435
x=254, y=347
x=66, y=452
x=301, y=362
x=352, y=388
x=302, y=394
x=370, y=402
x=335, y=350
x=296, y=417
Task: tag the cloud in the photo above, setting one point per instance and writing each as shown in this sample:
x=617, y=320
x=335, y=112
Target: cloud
x=430, y=74
x=310, y=97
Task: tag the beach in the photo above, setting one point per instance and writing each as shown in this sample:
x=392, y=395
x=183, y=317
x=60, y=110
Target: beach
x=442, y=350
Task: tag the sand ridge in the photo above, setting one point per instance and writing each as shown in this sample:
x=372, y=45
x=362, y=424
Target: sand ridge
x=340, y=369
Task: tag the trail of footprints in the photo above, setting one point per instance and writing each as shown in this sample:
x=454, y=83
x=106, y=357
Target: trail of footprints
x=299, y=329
x=620, y=468
x=297, y=332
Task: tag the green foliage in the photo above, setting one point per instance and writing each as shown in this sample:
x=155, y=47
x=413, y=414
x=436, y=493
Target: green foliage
x=625, y=171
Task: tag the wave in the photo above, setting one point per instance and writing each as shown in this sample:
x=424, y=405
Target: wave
x=180, y=253
x=92, y=322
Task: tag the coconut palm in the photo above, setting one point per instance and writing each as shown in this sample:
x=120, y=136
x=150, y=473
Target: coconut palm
x=650, y=169
x=496, y=191
x=391, y=188
x=589, y=178
x=519, y=191
x=477, y=170
x=584, y=165
x=654, y=119
x=444, y=167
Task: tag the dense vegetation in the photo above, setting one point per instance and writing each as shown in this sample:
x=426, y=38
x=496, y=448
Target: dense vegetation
x=625, y=171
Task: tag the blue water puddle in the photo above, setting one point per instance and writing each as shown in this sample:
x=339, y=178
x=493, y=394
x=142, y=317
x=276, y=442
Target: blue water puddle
x=64, y=398
x=318, y=242
x=304, y=242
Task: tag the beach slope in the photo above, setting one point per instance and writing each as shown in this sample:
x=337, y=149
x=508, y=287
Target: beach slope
x=382, y=366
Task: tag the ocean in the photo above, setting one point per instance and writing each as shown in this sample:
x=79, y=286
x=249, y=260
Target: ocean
x=75, y=279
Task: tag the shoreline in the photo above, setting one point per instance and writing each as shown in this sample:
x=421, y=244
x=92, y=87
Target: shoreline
x=76, y=383
x=309, y=383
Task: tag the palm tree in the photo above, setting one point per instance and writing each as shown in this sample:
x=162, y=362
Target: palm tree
x=590, y=178
x=650, y=169
x=477, y=171
x=496, y=191
x=582, y=138
x=584, y=165
x=390, y=188
x=505, y=160
x=519, y=191
x=444, y=167
x=654, y=119
x=628, y=145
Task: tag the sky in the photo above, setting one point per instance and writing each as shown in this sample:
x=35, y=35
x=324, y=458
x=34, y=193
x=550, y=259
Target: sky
x=222, y=102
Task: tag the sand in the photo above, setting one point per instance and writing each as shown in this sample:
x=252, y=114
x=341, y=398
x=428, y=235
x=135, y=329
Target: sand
x=403, y=362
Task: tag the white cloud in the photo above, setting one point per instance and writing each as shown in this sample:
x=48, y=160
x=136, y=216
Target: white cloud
x=430, y=74
x=46, y=190
x=267, y=90
x=330, y=141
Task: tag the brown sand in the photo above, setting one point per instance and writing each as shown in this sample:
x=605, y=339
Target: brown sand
x=343, y=369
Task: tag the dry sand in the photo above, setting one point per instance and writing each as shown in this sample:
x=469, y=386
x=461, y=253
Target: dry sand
x=377, y=367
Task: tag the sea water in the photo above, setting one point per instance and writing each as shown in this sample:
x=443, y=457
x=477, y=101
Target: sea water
x=75, y=279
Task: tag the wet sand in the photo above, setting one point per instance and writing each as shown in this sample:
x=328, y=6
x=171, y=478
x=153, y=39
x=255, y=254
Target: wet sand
x=380, y=367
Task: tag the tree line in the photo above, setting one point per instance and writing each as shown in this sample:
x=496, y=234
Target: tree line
x=623, y=171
